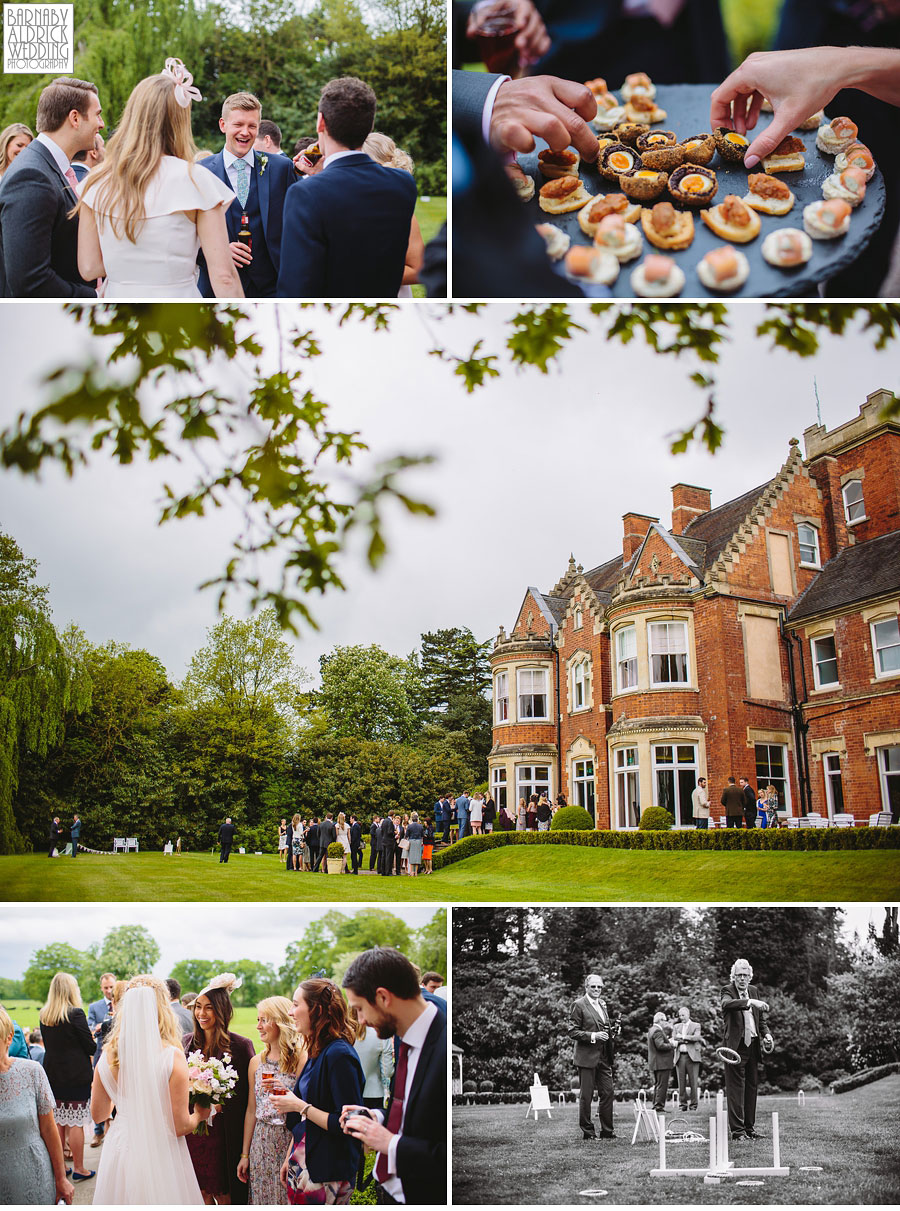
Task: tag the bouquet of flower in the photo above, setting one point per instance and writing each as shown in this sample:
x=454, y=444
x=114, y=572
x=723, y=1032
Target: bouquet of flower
x=212, y=1083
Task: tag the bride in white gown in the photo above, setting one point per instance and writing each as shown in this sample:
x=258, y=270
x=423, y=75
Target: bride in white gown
x=143, y=1073
x=147, y=210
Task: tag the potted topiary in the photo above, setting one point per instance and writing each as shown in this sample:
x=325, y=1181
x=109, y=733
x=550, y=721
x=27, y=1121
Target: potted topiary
x=335, y=858
x=656, y=819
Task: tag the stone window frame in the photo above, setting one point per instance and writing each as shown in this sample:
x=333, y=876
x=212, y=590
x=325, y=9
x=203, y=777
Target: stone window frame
x=669, y=622
x=580, y=660
x=545, y=673
x=498, y=673
x=873, y=623
x=620, y=630
x=814, y=530
x=624, y=769
x=577, y=618
x=819, y=637
x=854, y=477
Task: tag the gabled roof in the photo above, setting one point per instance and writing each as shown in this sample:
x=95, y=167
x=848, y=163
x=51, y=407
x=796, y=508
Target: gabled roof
x=553, y=608
x=602, y=579
x=671, y=542
x=716, y=527
x=856, y=574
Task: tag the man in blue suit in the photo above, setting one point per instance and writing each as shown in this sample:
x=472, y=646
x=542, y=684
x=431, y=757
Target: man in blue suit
x=346, y=230
x=260, y=182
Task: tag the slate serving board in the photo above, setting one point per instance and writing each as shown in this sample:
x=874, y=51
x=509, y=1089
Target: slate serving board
x=687, y=107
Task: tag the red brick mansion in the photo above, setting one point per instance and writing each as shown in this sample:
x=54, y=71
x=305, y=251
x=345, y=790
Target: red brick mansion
x=758, y=639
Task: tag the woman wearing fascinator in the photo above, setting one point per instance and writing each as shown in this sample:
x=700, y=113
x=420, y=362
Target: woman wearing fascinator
x=216, y=1156
x=143, y=1073
x=146, y=212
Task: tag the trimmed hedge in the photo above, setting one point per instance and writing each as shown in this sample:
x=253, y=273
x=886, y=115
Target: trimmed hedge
x=846, y=1083
x=727, y=839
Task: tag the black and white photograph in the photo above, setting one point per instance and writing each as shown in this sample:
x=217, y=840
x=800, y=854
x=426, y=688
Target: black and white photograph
x=669, y=1055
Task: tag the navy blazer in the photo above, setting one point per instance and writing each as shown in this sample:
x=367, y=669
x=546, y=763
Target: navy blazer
x=346, y=231
x=422, y=1147
x=38, y=241
x=272, y=182
x=335, y=1080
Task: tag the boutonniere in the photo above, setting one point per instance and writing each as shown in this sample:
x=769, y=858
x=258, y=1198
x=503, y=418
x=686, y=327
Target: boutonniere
x=263, y=162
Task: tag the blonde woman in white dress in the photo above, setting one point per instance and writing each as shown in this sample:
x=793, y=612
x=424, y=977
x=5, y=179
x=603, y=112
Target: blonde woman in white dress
x=147, y=211
x=144, y=1074
x=342, y=828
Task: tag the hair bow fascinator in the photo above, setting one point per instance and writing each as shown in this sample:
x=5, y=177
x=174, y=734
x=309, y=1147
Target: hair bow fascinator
x=185, y=92
x=227, y=981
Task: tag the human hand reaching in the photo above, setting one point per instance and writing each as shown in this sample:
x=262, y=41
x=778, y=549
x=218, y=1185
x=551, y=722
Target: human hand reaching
x=558, y=111
x=796, y=82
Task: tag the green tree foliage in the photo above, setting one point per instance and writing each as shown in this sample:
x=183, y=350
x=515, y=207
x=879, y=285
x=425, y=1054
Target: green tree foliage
x=57, y=956
x=367, y=776
x=194, y=974
x=145, y=389
x=111, y=766
x=127, y=950
x=11, y=989
x=39, y=680
x=455, y=676
x=336, y=934
x=228, y=740
x=429, y=946
x=368, y=694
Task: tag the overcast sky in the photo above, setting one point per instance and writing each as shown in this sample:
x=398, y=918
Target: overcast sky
x=528, y=469
x=221, y=931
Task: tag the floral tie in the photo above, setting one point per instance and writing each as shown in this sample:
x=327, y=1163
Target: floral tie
x=243, y=181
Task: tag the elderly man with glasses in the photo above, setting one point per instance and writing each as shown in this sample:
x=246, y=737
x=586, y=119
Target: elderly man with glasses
x=745, y=1029
x=593, y=1030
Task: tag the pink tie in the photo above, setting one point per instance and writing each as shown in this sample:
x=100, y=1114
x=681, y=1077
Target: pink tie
x=666, y=11
x=395, y=1114
x=69, y=174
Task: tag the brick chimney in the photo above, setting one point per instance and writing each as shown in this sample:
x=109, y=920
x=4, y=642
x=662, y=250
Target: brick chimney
x=688, y=502
x=636, y=526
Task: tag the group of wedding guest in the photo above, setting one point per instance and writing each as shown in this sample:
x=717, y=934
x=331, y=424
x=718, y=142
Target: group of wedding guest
x=295, y=1127
x=152, y=218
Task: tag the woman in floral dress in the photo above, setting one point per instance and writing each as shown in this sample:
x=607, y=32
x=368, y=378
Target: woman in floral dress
x=266, y=1139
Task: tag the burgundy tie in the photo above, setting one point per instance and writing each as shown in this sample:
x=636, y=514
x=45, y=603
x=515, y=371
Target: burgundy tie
x=395, y=1114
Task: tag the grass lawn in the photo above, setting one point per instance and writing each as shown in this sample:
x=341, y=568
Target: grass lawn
x=432, y=214
x=554, y=873
x=499, y=1157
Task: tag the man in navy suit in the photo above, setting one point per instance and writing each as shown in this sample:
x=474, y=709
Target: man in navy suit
x=38, y=240
x=100, y=1012
x=260, y=182
x=410, y=1138
x=346, y=229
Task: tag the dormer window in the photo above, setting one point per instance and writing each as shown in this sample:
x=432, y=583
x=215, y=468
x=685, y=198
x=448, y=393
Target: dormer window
x=854, y=505
x=808, y=542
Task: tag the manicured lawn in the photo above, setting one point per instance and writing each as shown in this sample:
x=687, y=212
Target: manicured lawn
x=432, y=214
x=500, y=1157
x=560, y=873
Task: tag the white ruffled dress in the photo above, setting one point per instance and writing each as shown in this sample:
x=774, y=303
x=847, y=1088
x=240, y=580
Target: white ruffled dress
x=162, y=261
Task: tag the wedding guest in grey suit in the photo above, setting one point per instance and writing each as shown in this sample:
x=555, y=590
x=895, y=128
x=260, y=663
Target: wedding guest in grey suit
x=38, y=240
x=184, y=1016
x=686, y=1037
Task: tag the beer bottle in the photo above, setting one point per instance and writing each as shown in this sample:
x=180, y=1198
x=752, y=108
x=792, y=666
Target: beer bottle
x=244, y=235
